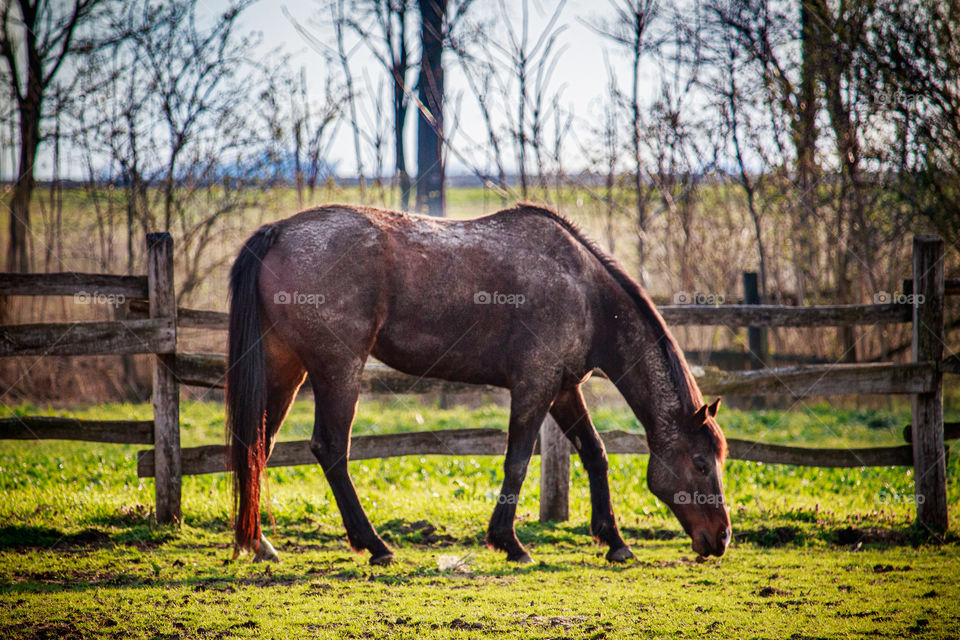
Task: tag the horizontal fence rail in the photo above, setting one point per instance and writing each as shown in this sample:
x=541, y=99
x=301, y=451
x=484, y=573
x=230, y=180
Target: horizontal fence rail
x=951, y=287
x=206, y=370
x=492, y=442
x=49, y=428
x=760, y=315
x=152, y=335
x=738, y=315
x=70, y=283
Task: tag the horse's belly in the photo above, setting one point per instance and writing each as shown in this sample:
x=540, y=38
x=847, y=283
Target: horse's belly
x=451, y=352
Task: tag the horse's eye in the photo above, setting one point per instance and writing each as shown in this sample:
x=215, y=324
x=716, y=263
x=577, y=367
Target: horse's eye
x=701, y=466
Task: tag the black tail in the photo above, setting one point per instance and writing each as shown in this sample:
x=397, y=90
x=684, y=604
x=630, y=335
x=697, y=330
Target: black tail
x=246, y=387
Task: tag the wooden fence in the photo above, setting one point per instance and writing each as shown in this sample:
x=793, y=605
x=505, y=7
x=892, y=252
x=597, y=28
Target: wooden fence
x=152, y=322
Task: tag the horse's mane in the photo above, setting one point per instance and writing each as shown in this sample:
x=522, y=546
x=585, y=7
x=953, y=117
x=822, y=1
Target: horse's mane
x=676, y=366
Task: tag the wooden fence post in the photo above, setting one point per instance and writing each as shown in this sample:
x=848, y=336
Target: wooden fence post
x=929, y=466
x=756, y=338
x=554, y=472
x=166, y=391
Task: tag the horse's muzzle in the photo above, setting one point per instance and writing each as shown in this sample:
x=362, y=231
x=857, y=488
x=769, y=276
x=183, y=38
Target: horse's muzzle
x=711, y=545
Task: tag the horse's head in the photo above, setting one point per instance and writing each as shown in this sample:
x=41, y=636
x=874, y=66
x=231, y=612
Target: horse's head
x=687, y=475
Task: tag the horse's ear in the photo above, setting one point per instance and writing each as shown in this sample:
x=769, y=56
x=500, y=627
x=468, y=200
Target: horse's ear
x=701, y=415
x=712, y=409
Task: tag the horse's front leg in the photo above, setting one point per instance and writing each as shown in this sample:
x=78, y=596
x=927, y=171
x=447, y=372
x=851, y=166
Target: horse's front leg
x=527, y=411
x=573, y=419
x=330, y=443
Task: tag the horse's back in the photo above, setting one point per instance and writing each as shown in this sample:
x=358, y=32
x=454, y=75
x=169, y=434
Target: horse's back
x=471, y=300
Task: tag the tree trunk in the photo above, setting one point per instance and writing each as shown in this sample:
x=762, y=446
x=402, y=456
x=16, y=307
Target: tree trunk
x=400, y=108
x=638, y=169
x=399, y=119
x=430, y=171
x=18, y=256
x=805, y=140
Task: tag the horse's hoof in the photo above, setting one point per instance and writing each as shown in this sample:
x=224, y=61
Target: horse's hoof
x=620, y=555
x=384, y=559
x=523, y=558
x=266, y=557
x=265, y=552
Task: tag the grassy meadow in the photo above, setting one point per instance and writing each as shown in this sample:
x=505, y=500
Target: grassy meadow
x=817, y=552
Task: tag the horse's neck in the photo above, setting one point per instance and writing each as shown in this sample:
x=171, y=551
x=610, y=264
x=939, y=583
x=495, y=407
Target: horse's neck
x=638, y=367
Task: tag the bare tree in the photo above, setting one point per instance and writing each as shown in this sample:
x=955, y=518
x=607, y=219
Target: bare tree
x=531, y=66
x=382, y=25
x=36, y=38
x=629, y=28
x=171, y=109
x=312, y=126
x=485, y=84
x=922, y=100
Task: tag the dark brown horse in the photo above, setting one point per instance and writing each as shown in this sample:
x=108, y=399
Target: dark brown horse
x=518, y=299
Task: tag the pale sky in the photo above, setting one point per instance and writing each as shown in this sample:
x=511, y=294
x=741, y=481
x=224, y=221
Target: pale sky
x=580, y=71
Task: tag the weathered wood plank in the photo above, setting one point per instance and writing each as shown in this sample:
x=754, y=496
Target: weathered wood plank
x=53, y=428
x=70, y=283
x=741, y=315
x=804, y=381
x=201, y=370
x=154, y=335
x=819, y=380
x=212, y=458
x=554, y=473
x=951, y=287
x=951, y=431
x=727, y=315
x=817, y=457
x=625, y=442
x=200, y=319
x=929, y=464
x=166, y=391
x=492, y=442
x=186, y=318
x=950, y=364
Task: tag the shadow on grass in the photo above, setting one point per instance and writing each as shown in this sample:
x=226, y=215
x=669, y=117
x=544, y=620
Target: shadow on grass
x=29, y=537
x=316, y=575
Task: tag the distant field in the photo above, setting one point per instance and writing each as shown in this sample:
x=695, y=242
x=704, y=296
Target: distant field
x=817, y=552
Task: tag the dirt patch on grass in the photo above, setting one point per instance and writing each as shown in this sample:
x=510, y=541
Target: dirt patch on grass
x=648, y=533
x=419, y=532
x=769, y=591
x=80, y=579
x=47, y=630
x=27, y=537
x=564, y=622
x=460, y=623
x=767, y=537
x=870, y=535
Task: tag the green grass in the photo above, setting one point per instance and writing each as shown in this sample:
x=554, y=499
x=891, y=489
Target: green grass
x=817, y=552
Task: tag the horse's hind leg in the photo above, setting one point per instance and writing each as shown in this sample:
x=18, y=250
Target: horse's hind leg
x=285, y=374
x=336, y=407
x=573, y=419
x=527, y=411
